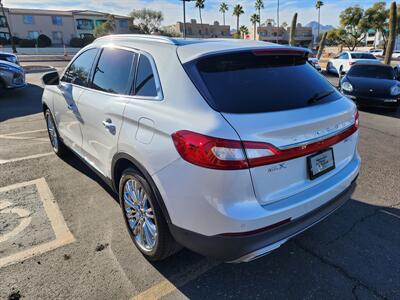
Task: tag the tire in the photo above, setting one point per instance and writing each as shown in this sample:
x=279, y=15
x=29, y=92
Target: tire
x=340, y=71
x=329, y=68
x=144, y=218
x=58, y=146
x=2, y=89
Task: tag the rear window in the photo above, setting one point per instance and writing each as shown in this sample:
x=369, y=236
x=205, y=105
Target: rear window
x=362, y=56
x=244, y=82
x=378, y=72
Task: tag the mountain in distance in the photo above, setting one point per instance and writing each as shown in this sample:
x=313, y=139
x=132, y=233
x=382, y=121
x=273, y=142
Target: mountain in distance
x=314, y=26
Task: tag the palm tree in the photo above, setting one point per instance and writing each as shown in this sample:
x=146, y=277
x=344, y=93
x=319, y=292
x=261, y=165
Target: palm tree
x=259, y=5
x=237, y=11
x=318, y=6
x=254, y=20
x=223, y=8
x=243, y=30
x=200, y=6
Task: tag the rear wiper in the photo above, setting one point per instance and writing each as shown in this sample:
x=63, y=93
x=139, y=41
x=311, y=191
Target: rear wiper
x=319, y=96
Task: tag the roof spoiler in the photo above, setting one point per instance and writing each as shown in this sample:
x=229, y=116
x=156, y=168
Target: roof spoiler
x=290, y=51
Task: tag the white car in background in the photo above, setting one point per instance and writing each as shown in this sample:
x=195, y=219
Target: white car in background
x=343, y=61
x=396, y=54
x=376, y=52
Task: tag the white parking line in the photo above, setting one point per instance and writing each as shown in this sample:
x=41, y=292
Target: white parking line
x=6, y=161
x=17, y=135
x=389, y=213
x=60, y=228
x=25, y=132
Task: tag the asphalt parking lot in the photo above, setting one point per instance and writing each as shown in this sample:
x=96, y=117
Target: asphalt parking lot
x=62, y=235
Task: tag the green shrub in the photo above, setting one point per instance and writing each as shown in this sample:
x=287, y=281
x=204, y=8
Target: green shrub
x=44, y=41
x=25, y=43
x=88, y=39
x=76, y=42
x=81, y=42
x=16, y=40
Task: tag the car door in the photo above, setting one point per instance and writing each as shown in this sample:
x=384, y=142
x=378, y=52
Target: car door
x=345, y=62
x=72, y=84
x=102, y=106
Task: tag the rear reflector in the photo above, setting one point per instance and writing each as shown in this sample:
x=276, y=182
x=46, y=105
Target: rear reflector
x=260, y=230
x=222, y=154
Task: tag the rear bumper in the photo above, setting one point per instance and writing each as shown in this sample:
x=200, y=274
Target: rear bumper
x=246, y=248
x=374, y=102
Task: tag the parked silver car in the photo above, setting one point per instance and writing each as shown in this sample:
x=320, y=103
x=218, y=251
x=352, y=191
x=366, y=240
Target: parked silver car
x=226, y=147
x=11, y=76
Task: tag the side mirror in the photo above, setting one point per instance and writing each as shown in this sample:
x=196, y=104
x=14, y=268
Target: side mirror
x=51, y=78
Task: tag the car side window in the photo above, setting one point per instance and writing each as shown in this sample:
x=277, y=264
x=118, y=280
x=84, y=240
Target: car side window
x=145, y=81
x=344, y=56
x=79, y=71
x=113, y=71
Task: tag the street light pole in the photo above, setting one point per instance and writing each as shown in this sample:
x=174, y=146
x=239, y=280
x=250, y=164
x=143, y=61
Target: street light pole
x=8, y=27
x=277, y=18
x=184, y=17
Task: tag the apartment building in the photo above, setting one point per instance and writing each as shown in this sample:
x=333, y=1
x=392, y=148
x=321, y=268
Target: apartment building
x=197, y=30
x=273, y=34
x=60, y=26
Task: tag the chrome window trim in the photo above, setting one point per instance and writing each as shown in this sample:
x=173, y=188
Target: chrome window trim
x=160, y=94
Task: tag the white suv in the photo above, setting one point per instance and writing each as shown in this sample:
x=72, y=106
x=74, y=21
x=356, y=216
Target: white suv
x=342, y=63
x=226, y=147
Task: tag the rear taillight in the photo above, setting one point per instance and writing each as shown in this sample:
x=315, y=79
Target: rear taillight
x=356, y=119
x=352, y=63
x=210, y=152
x=217, y=153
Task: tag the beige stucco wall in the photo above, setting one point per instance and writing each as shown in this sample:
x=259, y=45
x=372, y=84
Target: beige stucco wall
x=42, y=24
x=197, y=30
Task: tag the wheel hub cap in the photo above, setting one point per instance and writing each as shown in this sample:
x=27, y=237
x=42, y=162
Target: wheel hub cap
x=140, y=215
x=52, y=133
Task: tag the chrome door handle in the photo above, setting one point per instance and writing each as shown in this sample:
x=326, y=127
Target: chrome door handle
x=109, y=125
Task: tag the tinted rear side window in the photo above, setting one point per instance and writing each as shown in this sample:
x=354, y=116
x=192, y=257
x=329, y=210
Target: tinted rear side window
x=145, y=81
x=362, y=56
x=248, y=83
x=79, y=71
x=113, y=71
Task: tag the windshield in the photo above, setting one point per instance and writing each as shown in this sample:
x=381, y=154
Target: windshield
x=379, y=72
x=244, y=82
x=362, y=56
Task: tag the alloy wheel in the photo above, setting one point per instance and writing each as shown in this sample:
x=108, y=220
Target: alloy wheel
x=52, y=133
x=140, y=215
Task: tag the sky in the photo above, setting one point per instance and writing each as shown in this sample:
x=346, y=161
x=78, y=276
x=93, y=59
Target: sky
x=172, y=9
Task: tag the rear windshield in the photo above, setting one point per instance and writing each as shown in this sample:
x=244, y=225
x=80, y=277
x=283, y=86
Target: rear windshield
x=379, y=72
x=244, y=82
x=362, y=56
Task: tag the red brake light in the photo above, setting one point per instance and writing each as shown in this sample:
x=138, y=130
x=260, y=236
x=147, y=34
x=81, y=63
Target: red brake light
x=280, y=51
x=210, y=152
x=352, y=63
x=217, y=153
